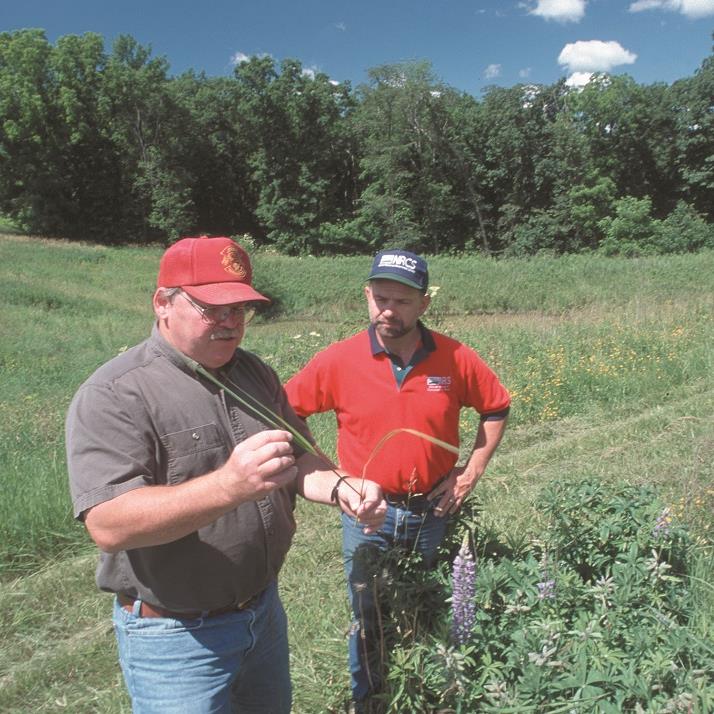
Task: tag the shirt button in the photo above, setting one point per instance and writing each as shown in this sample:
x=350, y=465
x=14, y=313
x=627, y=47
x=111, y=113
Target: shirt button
x=195, y=436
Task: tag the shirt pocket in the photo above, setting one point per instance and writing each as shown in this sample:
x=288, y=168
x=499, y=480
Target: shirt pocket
x=194, y=452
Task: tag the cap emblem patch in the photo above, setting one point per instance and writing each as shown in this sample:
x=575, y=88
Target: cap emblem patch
x=230, y=260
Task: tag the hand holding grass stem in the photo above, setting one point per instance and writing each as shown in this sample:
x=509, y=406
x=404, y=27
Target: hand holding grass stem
x=275, y=420
x=266, y=414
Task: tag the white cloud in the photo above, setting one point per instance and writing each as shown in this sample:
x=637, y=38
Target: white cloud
x=530, y=94
x=524, y=73
x=578, y=79
x=560, y=10
x=341, y=26
x=692, y=9
x=594, y=56
x=239, y=58
x=310, y=72
x=492, y=71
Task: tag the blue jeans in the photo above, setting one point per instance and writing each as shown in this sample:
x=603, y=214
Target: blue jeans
x=413, y=532
x=237, y=662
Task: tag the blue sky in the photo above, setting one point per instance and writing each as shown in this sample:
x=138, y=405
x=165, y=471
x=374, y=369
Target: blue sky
x=470, y=43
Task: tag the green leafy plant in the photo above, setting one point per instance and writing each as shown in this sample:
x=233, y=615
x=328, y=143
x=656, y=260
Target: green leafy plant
x=594, y=615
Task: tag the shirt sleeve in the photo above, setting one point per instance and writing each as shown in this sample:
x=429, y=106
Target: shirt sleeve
x=484, y=391
x=309, y=390
x=108, y=452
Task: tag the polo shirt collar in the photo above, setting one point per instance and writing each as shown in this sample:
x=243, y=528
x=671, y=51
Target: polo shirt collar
x=427, y=340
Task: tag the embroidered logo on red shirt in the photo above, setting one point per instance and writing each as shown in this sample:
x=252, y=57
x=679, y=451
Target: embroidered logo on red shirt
x=438, y=384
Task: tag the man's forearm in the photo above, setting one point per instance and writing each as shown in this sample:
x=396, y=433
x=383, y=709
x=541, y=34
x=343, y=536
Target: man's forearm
x=157, y=514
x=154, y=515
x=316, y=479
x=488, y=438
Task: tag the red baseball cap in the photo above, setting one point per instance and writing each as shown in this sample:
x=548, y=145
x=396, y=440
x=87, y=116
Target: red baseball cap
x=215, y=271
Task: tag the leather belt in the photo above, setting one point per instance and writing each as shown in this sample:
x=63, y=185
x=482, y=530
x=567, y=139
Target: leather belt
x=415, y=502
x=148, y=610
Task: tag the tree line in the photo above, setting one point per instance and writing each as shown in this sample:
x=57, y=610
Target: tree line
x=108, y=146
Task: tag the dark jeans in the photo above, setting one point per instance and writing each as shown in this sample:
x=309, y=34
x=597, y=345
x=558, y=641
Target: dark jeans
x=414, y=532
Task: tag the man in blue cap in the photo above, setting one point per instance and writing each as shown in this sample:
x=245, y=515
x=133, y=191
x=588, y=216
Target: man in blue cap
x=386, y=385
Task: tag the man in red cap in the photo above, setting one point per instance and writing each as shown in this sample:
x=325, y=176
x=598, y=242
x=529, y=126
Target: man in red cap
x=184, y=463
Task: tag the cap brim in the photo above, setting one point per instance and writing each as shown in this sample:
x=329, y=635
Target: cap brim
x=396, y=279
x=224, y=293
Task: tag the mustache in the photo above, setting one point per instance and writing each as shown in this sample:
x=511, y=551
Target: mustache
x=223, y=335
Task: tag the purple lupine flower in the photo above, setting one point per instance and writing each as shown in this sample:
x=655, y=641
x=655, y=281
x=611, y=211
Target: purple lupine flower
x=664, y=521
x=463, y=608
x=546, y=589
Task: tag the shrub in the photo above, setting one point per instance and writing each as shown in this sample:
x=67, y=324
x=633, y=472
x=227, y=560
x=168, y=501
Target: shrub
x=683, y=231
x=593, y=615
x=634, y=232
x=631, y=232
x=540, y=232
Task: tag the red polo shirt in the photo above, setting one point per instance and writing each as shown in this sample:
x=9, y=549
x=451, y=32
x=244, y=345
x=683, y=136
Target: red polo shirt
x=357, y=382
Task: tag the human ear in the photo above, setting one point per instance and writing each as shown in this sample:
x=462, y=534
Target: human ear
x=161, y=304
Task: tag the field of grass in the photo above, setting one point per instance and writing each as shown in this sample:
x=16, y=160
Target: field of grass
x=610, y=363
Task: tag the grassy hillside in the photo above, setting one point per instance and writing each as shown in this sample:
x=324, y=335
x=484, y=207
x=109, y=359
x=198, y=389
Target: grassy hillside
x=609, y=361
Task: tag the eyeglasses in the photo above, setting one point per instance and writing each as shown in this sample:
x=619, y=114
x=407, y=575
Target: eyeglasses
x=218, y=313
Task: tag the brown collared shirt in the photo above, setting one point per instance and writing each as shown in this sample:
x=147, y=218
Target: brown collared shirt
x=146, y=418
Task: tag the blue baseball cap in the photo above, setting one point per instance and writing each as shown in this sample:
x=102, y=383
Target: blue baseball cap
x=402, y=266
